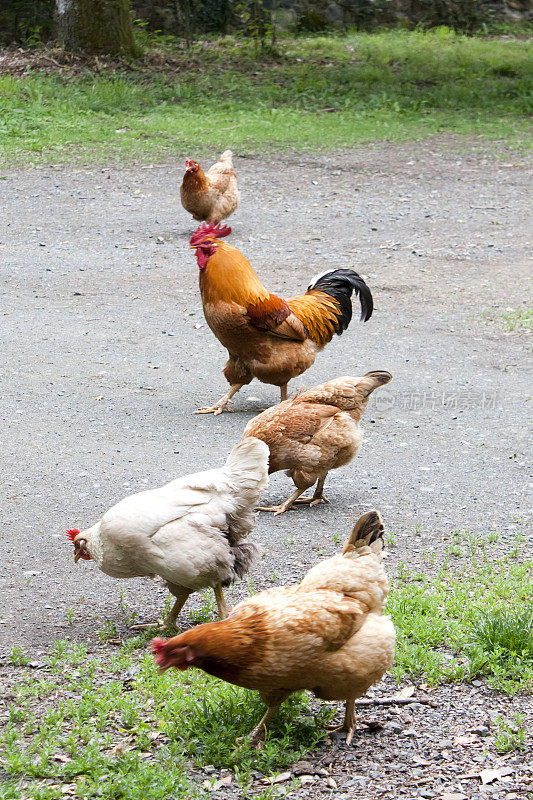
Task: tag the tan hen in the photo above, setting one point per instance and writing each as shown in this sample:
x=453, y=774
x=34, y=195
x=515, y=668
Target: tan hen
x=315, y=432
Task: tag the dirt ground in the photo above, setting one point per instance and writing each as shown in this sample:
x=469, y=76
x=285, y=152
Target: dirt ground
x=106, y=355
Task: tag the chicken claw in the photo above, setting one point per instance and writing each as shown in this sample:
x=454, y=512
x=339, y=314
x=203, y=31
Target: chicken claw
x=145, y=626
x=349, y=721
x=215, y=410
x=313, y=501
x=256, y=737
x=222, y=404
x=295, y=498
x=284, y=506
x=256, y=742
x=276, y=509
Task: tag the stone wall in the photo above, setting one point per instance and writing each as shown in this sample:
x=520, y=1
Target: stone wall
x=322, y=14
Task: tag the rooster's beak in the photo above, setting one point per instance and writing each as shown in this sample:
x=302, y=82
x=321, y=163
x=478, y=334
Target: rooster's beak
x=77, y=557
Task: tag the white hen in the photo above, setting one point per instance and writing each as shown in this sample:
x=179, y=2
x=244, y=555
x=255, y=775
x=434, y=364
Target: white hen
x=190, y=532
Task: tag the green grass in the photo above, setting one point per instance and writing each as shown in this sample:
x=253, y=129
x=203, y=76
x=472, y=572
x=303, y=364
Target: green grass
x=109, y=725
x=513, y=319
x=319, y=92
x=510, y=734
x=474, y=619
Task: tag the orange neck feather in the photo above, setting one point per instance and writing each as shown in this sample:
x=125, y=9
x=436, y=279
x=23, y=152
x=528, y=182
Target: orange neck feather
x=228, y=276
x=226, y=648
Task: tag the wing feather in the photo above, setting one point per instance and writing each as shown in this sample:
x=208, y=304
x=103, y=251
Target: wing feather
x=274, y=316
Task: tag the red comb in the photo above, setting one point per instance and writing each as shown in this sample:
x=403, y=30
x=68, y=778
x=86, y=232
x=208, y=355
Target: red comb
x=72, y=533
x=208, y=230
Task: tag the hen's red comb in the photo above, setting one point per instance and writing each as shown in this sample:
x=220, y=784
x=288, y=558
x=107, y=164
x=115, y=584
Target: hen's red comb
x=208, y=230
x=72, y=533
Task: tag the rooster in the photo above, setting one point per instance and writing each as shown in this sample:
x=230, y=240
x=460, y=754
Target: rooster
x=190, y=532
x=327, y=635
x=267, y=337
x=211, y=195
x=316, y=431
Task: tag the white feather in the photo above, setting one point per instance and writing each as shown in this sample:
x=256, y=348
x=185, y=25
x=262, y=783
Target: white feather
x=316, y=278
x=184, y=531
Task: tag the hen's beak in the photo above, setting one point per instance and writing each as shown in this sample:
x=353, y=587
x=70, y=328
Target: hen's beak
x=77, y=557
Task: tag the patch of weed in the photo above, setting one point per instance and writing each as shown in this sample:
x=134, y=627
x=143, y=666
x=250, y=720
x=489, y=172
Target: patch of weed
x=473, y=619
x=513, y=319
x=17, y=657
x=112, y=726
x=510, y=734
x=206, y=610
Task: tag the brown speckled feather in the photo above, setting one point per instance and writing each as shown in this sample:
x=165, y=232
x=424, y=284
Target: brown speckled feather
x=317, y=430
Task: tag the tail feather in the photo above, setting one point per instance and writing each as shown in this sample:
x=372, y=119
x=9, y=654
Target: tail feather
x=357, y=572
x=247, y=464
x=339, y=284
x=368, y=531
x=227, y=155
x=346, y=393
x=326, y=308
x=245, y=554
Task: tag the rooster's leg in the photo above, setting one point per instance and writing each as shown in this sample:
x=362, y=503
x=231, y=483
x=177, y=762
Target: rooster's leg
x=284, y=506
x=223, y=610
x=283, y=390
x=349, y=721
x=222, y=404
x=181, y=596
x=318, y=495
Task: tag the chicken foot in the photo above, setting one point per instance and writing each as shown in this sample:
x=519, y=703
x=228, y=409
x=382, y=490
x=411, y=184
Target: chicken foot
x=295, y=498
x=349, y=721
x=181, y=596
x=257, y=736
x=318, y=496
x=222, y=404
x=223, y=610
x=284, y=506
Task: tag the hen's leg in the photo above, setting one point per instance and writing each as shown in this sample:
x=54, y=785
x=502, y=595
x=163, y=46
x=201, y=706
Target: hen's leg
x=257, y=735
x=222, y=404
x=349, y=721
x=284, y=506
x=318, y=495
x=181, y=596
x=283, y=392
x=223, y=610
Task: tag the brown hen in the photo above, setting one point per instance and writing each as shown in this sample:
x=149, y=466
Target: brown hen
x=327, y=635
x=211, y=195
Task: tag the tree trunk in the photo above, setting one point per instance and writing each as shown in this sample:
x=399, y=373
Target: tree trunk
x=96, y=26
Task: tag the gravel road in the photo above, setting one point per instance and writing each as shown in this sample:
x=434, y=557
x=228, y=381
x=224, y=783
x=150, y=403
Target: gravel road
x=107, y=355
